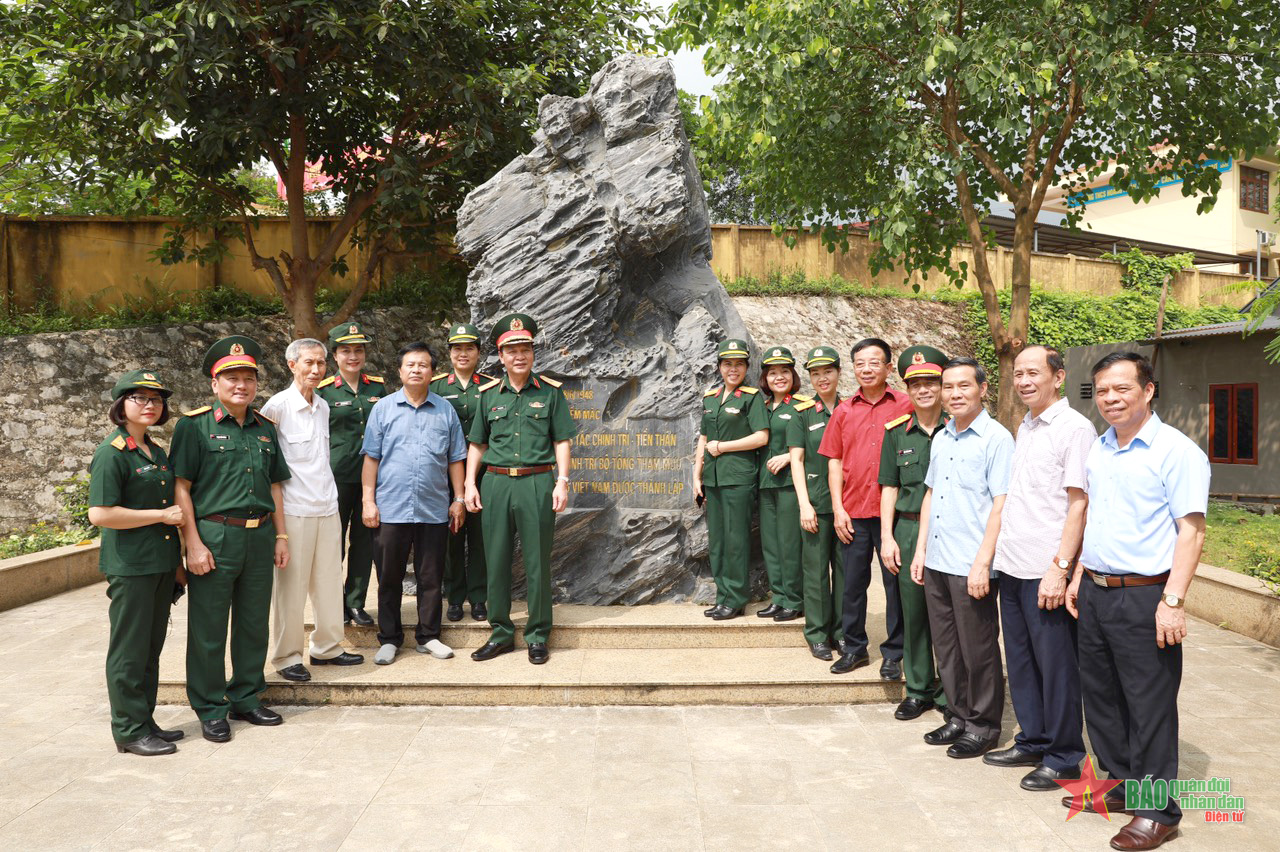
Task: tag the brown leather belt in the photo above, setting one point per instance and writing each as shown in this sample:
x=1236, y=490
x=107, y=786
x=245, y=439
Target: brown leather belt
x=1113, y=581
x=521, y=471
x=247, y=523
x=909, y=516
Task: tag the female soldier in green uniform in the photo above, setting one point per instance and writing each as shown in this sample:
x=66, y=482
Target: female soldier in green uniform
x=131, y=496
x=734, y=425
x=821, y=567
x=779, y=511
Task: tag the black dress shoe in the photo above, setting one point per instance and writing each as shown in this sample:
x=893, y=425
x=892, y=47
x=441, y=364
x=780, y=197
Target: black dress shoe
x=1042, y=778
x=148, y=745
x=538, y=653
x=489, y=650
x=946, y=735
x=891, y=670
x=711, y=610
x=787, y=614
x=849, y=661
x=911, y=708
x=970, y=745
x=258, y=716
x=359, y=616
x=1013, y=756
x=725, y=613
x=216, y=730
x=346, y=658
x=769, y=612
x=167, y=736
x=479, y=612
x=297, y=673
x=454, y=612
x=821, y=650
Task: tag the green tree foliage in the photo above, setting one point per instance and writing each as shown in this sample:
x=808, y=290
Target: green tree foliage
x=405, y=106
x=728, y=200
x=915, y=116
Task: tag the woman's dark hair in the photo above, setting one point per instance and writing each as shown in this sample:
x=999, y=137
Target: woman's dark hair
x=795, y=378
x=979, y=374
x=116, y=412
x=416, y=346
x=869, y=342
x=1146, y=373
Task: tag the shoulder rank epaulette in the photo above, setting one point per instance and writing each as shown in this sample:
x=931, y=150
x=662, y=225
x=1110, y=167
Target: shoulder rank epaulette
x=326, y=382
x=712, y=391
x=897, y=422
x=118, y=443
x=803, y=397
x=804, y=406
x=478, y=377
x=264, y=417
x=201, y=410
x=490, y=384
x=377, y=379
x=551, y=381
x=746, y=389
x=438, y=376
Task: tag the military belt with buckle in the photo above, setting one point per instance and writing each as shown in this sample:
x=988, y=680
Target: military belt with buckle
x=248, y=523
x=1116, y=581
x=521, y=471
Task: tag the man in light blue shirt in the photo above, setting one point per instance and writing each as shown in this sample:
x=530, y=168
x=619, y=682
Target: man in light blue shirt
x=1148, y=488
x=414, y=450
x=959, y=523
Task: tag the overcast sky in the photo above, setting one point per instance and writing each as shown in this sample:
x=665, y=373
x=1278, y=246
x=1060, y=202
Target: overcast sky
x=689, y=74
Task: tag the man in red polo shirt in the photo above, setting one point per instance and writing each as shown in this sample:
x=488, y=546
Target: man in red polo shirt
x=852, y=445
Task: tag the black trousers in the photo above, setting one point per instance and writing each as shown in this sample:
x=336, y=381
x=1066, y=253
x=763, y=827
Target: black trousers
x=1044, y=678
x=966, y=638
x=857, y=556
x=1130, y=686
x=392, y=545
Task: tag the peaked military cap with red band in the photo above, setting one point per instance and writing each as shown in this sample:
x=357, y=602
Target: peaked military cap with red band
x=514, y=328
x=135, y=379
x=921, y=362
x=230, y=353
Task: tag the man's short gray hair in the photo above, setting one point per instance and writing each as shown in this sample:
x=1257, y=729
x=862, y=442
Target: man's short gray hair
x=294, y=349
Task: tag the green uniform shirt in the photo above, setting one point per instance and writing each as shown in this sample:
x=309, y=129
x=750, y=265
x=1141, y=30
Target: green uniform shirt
x=738, y=415
x=348, y=412
x=120, y=475
x=904, y=460
x=779, y=418
x=521, y=427
x=230, y=467
x=464, y=399
x=805, y=430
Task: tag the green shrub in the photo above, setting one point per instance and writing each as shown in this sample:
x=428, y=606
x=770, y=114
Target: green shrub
x=37, y=537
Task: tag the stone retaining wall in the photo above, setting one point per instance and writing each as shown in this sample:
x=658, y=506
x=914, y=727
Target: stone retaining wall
x=25, y=579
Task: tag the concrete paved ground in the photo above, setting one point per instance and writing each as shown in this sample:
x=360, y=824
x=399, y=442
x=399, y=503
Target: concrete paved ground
x=652, y=778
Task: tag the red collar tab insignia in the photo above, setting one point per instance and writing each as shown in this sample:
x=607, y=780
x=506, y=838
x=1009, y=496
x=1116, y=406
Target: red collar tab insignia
x=130, y=443
x=517, y=324
x=218, y=414
x=337, y=381
x=787, y=398
x=237, y=349
x=535, y=378
x=817, y=406
x=737, y=393
x=452, y=378
x=364, y=378
x=1088, y=784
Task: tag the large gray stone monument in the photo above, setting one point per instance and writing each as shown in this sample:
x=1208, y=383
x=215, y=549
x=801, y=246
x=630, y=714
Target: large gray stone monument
x=601, y=233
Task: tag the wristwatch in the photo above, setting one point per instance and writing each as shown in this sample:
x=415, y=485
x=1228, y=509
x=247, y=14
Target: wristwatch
x=1064, y=564
x=1171, y=599
x=563, y=479
x=458, y=500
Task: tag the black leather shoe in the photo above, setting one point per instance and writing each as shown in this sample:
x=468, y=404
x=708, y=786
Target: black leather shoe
x=358, y=616
x=911, y=708
x=1013, y=756
x=346, y=658
x=149, y=745
x=479, y=612
x=1042, y=778
x=970, y=745
x=259, y=716
x=492, y=649
x=849, y=661
x=216, y=730
x=167, y=736
x=538, y=653
x=769, y=612
x=725, y=613
x=454, y=612
x=821, y=650
x=946, y=735
x=891, y=670
x=787, y=614
x=297, y=673
x=710, y=611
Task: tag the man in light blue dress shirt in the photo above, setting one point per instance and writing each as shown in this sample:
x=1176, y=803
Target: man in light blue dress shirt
x=968, y=477
x=1148, y=488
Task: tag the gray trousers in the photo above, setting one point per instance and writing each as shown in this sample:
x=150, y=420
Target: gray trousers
x=966, y=641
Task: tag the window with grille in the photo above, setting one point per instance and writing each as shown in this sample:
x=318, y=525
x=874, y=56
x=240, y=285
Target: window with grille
x=1255, y=189
x=1233, y=424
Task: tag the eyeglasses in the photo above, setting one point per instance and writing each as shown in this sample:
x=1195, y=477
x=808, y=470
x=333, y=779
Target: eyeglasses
x=869, y=365
x=143, y=401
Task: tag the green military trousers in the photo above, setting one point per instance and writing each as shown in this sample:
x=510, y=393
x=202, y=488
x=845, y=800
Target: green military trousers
x=729, y=540
x=780, y=545
x=357, y=544
x=917, y=650
x=518, y=505
x=465, y=577
x=139, y=613
x=823, y=572
x=240, y=587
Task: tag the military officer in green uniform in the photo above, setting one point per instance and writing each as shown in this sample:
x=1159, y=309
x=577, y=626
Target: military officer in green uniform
x=779, y=511
x=522, y=432
x=735, y=424
x=465, y=577
x=822, y=569
x=904, y=461
x=229, y=470
x=351, y=393
x=131, y=496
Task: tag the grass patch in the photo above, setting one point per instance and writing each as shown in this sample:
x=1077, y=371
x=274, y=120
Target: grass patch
x=1243, y=542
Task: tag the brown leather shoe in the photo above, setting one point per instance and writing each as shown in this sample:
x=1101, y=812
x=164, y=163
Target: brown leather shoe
x=1143, y=833
x=1115, y=804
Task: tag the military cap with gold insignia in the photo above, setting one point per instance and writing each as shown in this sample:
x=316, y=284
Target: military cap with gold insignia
x=778, y=355
x=347, y=334
x=135, y=379
x=732, y=348
x=230, y=353
x=463, y=333
x=822, y=356
x=514, y=328
x=921, y=361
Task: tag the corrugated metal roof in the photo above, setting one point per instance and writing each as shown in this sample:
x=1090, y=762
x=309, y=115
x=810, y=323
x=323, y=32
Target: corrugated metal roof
x=1219, y=329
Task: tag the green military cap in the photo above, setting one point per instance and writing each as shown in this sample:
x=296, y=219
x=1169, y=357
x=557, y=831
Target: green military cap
x=921, y=361
x=778, y=355
x=230, y=353
x=464, y=333
x=139, y=379
x=732, y=348
x=514, y=328
x=347, y=334
x=822, y=356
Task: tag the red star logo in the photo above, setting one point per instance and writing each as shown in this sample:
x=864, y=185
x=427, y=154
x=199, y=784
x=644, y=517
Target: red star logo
x=1091, y=785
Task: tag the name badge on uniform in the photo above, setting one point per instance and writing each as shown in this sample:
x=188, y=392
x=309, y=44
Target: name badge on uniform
x=374, y=398
x=220, y=437
x=264, y=439
x=144, y=468
x=536, y=405
x=342, y=403
x=451, y=396
x=816, y=426
x=908, y=451
x=784, y=416
x=732, y=410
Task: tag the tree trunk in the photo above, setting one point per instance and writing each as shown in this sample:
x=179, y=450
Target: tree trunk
x=1009, y=407
x=300, y=302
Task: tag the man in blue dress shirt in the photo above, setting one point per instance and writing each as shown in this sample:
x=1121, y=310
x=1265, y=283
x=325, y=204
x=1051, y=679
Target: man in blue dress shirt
x=1148, y=488
x=414, y=451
